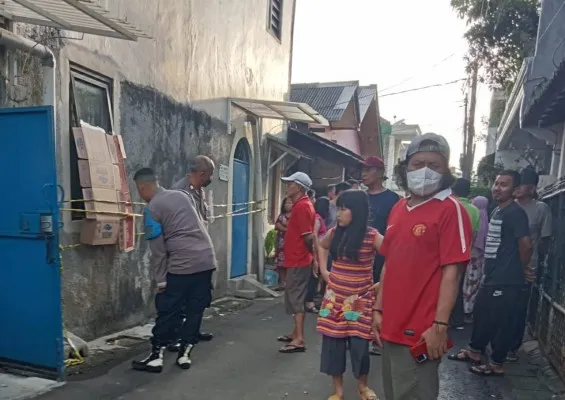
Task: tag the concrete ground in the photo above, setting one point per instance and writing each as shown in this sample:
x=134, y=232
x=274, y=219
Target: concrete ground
x=242, y=362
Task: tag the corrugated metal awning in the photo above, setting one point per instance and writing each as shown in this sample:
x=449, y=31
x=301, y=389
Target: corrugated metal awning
x=74, y=15
x=289, y=111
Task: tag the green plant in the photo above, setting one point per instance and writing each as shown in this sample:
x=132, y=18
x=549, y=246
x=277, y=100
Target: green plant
x=270, y=243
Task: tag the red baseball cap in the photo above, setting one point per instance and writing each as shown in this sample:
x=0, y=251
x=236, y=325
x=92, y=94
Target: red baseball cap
x=373, y=162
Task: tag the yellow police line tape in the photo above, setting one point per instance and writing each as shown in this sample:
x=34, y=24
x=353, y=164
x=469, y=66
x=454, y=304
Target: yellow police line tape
x=76, y=357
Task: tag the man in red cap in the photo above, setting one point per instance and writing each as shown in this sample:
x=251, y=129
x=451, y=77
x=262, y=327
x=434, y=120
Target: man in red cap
x=381, y=201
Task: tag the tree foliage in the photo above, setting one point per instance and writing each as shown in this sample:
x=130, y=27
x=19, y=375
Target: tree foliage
x=500, y=33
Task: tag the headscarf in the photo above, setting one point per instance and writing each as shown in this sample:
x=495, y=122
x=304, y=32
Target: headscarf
x=481, y=203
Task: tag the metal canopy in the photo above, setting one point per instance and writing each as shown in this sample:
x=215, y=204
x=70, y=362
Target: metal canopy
x=297, y=112
x=74, y=15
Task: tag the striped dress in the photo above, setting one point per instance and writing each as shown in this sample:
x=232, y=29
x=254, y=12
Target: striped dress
x=347, y=306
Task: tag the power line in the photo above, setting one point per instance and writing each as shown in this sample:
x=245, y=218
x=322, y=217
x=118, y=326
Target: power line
x=331, y=107
x=424, y=87
x=413, y=76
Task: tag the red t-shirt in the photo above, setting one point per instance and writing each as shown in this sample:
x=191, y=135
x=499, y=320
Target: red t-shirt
x=301, y=223
x=419, y=241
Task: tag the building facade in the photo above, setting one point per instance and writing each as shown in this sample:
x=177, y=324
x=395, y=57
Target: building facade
x=185, y=83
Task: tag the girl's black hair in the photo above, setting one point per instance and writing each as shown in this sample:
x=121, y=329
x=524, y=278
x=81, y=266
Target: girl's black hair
x=347, y=240
x=283, y=211
x=322, y=207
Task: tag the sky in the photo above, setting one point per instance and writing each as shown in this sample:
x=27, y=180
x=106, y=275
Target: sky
x=398, y=45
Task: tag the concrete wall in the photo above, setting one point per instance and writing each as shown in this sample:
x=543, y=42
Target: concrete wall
x=163, y=91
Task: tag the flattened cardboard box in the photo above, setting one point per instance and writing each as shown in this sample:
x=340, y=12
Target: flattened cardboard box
x=96, y=174
x=107, y=202
x=99, y=232
x=126, y=238
x=124, y=202
x=91, y=144
x=113, y=149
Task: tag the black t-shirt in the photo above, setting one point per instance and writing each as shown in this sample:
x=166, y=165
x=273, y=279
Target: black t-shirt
x=380, y=205
x=502, y=257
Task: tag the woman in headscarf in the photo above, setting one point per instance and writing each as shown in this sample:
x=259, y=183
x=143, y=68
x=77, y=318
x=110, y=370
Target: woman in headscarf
x=474, y=273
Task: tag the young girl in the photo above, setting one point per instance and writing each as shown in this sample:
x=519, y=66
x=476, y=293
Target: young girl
x=280, y=227
x=346, y=314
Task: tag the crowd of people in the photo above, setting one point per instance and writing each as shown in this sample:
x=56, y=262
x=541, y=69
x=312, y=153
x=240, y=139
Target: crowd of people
x=384, y=274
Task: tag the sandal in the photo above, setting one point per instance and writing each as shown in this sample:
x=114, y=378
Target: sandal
x=335, y=397
x=285, y=339
x=463, y=356
x=368, y=394
x=485, y=370
x=292, y=348
x=313, y=310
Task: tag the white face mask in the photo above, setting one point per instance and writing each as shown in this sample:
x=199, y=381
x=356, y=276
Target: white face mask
x=423, y=181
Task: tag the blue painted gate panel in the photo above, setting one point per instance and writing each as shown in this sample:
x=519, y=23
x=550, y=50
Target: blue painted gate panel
x=31, y=334
x=240, y=223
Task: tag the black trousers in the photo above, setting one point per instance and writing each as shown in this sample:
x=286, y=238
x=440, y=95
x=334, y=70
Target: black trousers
x=193, y=292
x=494, y=315
x=312, y=286
x=519, y=321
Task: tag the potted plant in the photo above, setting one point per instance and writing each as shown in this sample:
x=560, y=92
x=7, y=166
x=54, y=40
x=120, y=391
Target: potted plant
x=270, y=275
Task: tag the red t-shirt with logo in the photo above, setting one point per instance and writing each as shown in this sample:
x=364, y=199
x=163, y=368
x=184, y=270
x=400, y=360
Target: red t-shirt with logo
x=301, y=223
x=419, y=241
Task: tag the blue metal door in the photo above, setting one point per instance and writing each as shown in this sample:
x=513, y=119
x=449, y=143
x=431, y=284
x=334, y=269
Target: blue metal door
x=240, y=223
x=31, y=335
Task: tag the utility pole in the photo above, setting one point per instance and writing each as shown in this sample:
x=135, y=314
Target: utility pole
x=469, y=154
x=462, y=161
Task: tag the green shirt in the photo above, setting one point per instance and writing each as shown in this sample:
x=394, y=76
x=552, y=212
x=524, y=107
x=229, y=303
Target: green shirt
x=473, y=212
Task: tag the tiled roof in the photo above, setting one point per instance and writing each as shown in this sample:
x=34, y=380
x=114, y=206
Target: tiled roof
x=366, y=95
x=328, y=98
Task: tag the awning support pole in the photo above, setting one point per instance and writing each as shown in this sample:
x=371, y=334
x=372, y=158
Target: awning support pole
x=278, y=160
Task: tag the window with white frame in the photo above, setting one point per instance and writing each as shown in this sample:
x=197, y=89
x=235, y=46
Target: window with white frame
x=90, y=100
x=275, y=18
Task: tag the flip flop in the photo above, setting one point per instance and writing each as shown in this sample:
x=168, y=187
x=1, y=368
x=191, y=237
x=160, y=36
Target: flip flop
x=463, y=356
x=335, y=397
x=368, y=394
x=484, y=370
x=292, y=348
x=284, y=339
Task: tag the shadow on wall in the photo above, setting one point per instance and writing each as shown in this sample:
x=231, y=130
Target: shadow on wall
x=106, y=290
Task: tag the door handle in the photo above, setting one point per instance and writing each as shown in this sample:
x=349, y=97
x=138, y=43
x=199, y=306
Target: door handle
x=60, y=190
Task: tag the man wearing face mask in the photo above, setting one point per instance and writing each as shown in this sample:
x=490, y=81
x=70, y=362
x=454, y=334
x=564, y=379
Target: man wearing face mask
x=427, y=242
x=200, y=176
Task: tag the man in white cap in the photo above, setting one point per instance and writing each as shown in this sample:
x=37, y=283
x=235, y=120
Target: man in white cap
x=299, y=257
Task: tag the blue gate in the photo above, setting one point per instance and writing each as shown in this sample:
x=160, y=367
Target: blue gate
x=31, y=336
x=240, y=223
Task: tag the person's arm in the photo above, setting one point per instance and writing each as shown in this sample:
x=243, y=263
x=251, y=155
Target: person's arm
x=518, y=221
x=155, y=236
x=323, y=253
x=378, y=241
x=545, y=231
x=316, y=226
x=279, y=226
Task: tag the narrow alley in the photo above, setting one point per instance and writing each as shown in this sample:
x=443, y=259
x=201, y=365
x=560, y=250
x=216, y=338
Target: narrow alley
x=242, y=362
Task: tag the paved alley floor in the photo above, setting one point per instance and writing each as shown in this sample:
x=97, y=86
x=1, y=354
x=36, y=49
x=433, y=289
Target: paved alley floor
x=242, y=362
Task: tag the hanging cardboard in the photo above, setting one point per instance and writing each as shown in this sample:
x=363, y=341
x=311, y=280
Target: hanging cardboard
x=96, y=174
x=105, y=201
x=91, y=144
x=99, y=232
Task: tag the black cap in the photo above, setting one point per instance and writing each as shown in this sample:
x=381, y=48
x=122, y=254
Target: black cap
x=529, y=176
x=461, y=187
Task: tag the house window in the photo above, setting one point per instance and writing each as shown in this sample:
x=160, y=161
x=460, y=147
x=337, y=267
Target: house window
x=90, y=101
x=275, y=18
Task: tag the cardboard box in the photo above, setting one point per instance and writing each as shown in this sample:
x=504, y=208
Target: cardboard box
x=126, y=239
x=122, y=184
x=120, y=146
x=96, y=174
x=91, y=144
x=99, y=232
x=124, y=202
x=113, y=149
x=107, y=202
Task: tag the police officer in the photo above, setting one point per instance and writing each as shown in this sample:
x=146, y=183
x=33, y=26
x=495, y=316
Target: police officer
x=183, y=260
